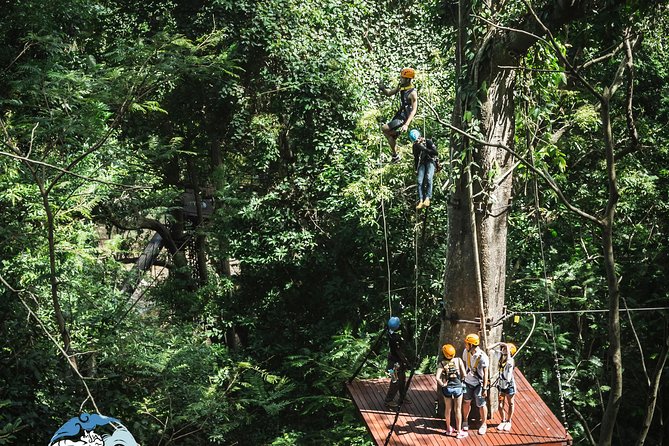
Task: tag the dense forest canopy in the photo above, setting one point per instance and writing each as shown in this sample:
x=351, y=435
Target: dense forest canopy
x=201, y=235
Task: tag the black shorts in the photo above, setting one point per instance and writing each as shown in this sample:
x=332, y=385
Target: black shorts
x=395, y=123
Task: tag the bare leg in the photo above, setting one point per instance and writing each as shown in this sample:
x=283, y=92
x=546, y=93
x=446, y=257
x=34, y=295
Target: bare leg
x=458, y=413
x=448, y=405
x=511, y=404
x=484, y=415
x=502, y=406
x=466, y=408
x=391, y=136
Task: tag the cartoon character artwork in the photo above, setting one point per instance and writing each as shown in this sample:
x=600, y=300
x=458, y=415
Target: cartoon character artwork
x=93, y=430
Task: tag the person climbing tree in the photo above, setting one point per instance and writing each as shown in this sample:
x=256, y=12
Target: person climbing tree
x=397, y=364
x=407, y=110
x=425, y=162
x=450, y=374
x=476, y=381
x=506, y=384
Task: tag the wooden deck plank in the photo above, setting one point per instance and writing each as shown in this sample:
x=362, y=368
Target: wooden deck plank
x=533, y=424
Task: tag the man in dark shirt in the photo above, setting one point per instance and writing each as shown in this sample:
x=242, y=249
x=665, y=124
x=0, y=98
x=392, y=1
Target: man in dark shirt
x=397, y=364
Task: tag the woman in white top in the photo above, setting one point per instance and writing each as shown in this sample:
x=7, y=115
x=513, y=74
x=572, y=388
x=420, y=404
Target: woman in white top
x=506, y=384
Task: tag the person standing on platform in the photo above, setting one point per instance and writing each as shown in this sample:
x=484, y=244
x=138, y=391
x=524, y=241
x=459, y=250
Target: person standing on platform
x=397, y=364
x=450, y=374
x=506, y=384
x=476, y=381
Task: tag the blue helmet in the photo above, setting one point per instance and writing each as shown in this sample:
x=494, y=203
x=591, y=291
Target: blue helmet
x=394, y=323
x=414, y=135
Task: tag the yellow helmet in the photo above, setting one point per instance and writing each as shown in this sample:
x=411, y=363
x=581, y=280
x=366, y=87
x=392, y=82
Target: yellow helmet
x=409, y=73
x=512, y=348
x=448, y=350
x=472, y=339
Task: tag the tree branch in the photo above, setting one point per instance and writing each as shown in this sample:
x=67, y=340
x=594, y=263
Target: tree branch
x=65, y=171
x=561, y=56
x=544, y=175
x=53, y=340
x=153, y=225
x=631, y=126
x=601, y=58
x=652, y=393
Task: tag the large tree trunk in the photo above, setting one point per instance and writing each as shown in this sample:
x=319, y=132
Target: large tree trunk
x=479, y=255
x=476, y=262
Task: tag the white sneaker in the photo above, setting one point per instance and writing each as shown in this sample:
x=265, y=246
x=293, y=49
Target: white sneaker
x=507, y=426
x=465, y=426
x=483, y=429
x=500, y=426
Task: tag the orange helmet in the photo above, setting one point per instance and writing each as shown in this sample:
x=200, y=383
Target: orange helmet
x=472, y=339
x=409, y=73
x=512, y=348
x=448, y=350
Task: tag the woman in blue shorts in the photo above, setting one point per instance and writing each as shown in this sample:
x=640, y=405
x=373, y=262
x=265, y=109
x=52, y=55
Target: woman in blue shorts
x=450, y=373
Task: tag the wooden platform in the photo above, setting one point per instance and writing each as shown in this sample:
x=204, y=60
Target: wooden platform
x=533, y=422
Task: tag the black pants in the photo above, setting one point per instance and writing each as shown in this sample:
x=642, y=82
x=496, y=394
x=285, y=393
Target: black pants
x=400, y=384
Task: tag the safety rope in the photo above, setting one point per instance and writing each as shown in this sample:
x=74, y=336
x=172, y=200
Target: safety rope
x=385, y=230
x=415, y=268
x=475, y=246
x=418, y=359
x=548, y=299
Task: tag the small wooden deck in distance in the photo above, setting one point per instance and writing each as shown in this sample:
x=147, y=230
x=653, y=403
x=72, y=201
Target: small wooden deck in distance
x=533, y=422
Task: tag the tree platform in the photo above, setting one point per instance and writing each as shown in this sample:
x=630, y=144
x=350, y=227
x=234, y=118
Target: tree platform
x=533, y=421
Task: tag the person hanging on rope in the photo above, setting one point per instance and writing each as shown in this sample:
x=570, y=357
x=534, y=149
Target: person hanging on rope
x=506, y=384
x=405, y=113
x=476, y=381
x=450, y=374
x=425, y=158
x=398, y=364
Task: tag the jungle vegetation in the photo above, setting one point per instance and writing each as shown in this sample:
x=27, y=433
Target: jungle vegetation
x=201, y=235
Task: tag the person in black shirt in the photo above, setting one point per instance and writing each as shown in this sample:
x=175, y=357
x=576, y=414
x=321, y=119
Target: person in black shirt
x=397, y=364
x=425, y=161
x=405, y=113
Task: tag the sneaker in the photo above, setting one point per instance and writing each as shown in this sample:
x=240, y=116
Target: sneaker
x=450, y=430
x=483, y=429
x=407, y=401
x=465, y=426
x=391, y=404
x=426, y=203
x=500, y=426
x=462, y=434
x=420, y=205
x=396, y=158
x=507, y=426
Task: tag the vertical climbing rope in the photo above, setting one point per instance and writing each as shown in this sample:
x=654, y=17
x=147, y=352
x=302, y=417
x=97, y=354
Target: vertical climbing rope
x=385, y=231
x=475, y=245
x=543, y=264
x=415, y=268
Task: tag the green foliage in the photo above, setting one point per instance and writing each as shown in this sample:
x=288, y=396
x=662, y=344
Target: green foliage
x=271, y=107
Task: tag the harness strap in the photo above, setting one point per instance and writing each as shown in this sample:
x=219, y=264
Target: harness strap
x=476, y=364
